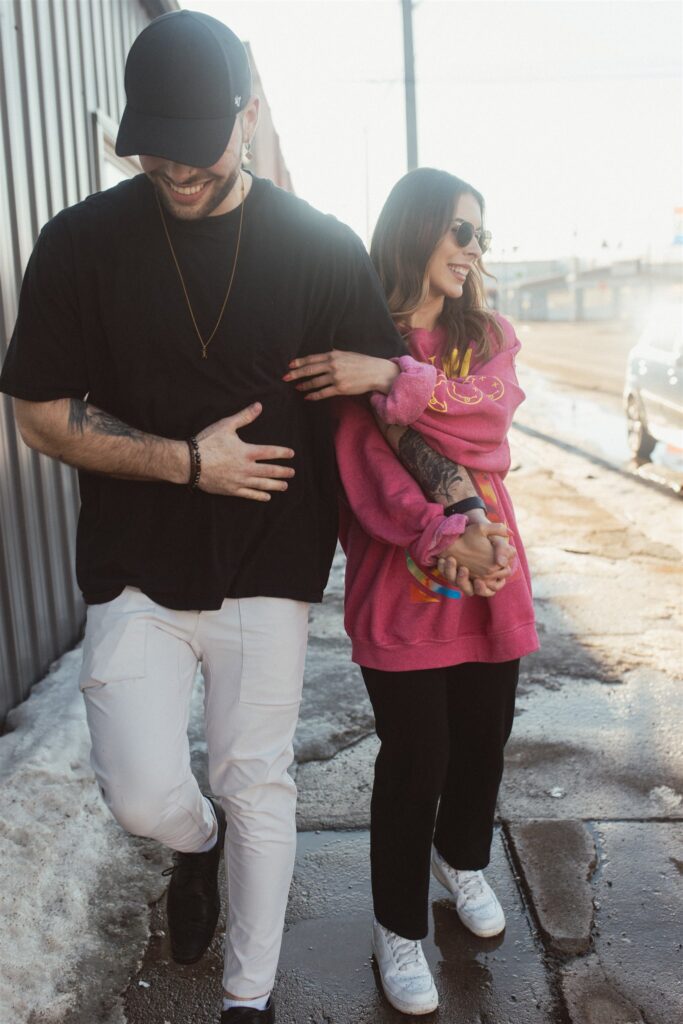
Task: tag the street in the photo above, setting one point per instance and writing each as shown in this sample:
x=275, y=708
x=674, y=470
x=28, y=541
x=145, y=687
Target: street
x=588, y=851
x=588, y=356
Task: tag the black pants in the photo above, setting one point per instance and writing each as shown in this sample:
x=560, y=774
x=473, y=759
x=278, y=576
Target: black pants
x=437, y=777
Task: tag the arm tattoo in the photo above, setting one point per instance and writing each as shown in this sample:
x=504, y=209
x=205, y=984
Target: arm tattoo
x=83, y=416
x=436, y=475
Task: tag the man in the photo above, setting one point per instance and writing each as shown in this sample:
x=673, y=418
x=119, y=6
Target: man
x=157, y=319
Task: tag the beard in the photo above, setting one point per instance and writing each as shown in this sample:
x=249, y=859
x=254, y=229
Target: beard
x=215, y=193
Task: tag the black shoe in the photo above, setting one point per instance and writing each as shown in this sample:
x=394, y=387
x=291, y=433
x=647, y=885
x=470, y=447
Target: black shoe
x=248, y=1015
x=193, y=902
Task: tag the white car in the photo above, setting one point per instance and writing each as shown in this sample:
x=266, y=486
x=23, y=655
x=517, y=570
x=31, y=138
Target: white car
x=653, y=393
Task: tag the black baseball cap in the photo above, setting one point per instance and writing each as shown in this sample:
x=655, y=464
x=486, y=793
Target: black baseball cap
x=187, y=78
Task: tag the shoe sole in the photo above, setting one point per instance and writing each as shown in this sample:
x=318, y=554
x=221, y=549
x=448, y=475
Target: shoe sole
x=483, y=933
x=406, y=1008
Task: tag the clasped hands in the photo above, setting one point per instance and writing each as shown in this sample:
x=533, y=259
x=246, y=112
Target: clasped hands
x=480, y=560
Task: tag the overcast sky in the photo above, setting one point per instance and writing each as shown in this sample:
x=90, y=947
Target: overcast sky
x=566, y=114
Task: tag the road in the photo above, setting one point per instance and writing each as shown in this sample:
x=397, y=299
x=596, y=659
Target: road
x=591, y=357
x=573, y=375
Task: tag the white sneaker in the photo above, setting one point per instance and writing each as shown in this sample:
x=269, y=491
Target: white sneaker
x=406, y=978
x=476, y=903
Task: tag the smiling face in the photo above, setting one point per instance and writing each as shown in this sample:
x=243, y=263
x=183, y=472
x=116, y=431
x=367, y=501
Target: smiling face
x=191, y=193
x=450, y=263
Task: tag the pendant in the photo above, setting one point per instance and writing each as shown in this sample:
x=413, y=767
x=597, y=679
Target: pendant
x=203, y=353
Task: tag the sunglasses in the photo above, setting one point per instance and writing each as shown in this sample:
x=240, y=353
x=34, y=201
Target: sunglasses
x=464, y=232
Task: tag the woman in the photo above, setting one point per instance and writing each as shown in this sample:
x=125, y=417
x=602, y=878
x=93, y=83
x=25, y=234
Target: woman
x=440, y=667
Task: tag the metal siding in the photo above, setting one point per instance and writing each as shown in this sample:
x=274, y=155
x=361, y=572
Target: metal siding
x=60, y=60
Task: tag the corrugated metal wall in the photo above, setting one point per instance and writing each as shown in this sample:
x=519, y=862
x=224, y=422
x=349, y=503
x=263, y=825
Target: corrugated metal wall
x=60, y=61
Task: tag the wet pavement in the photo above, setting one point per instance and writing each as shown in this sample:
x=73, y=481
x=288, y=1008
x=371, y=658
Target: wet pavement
x=588, y=851
x=573, y=375
x=326, y=971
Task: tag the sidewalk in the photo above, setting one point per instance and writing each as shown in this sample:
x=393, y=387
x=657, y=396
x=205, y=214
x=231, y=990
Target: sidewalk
x=588, y=853
x=588, y=856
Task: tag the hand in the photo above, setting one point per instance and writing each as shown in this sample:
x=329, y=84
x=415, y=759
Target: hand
x=474, y=550
x=490, y=585
x=233, y=467
x=478, y=515
x=448, y=567
x=460, y=575
x=334, y=373
x=504, y=554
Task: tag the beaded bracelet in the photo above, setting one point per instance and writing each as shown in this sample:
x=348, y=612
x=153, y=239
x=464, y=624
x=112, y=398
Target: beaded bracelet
x=195, y=463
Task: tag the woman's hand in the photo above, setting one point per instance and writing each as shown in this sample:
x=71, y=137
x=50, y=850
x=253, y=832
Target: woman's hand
x=503, y=552
x=460, y=576
x=329, y=374
x=474, y=550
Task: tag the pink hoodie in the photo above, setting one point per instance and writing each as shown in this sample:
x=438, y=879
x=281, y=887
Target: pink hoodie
x=399, y=612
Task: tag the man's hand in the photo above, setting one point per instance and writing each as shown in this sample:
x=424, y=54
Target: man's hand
x=233, y=467
x=88, y=438
x=334, y=373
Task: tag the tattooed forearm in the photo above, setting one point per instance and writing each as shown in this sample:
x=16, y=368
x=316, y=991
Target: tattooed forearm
x=441, y=480
x=82, y=436
x=437, y=476
x=83, y=416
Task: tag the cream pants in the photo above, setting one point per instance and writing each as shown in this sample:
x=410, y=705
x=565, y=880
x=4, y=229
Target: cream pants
x=139, y=665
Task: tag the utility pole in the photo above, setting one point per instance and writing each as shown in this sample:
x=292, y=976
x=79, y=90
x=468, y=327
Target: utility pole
x=409, y=75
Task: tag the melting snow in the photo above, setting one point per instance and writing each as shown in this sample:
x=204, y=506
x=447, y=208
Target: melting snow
x=74, y=888
x=668, y=799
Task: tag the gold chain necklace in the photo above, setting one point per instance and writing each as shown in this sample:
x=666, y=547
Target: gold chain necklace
x=202, y=342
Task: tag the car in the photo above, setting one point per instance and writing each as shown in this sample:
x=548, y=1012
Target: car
x=653, y=392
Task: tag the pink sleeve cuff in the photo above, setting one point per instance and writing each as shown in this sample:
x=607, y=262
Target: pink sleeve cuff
x=447, y=529
x=409, y=395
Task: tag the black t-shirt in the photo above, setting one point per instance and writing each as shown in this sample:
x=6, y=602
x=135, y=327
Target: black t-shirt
x=102, y=315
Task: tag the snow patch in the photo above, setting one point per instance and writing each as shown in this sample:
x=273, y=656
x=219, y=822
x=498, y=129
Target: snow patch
x=74, y=888
x=668, y=799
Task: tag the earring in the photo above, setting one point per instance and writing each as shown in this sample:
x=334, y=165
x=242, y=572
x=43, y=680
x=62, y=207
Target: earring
x=246, y=156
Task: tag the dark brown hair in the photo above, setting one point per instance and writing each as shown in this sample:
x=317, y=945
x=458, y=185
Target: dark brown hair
x=417, y=214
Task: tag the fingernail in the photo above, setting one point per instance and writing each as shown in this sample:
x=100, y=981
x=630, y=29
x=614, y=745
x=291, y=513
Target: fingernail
x=287, y=376
x=292, y=365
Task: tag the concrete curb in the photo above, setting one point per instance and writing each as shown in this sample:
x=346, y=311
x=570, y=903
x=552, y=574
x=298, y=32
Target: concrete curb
x=557, y=860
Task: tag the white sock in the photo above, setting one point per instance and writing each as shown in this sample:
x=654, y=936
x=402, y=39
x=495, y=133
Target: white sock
x=213, y=838
x=259, y=1003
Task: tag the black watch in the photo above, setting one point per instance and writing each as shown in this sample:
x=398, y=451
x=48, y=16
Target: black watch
x=464, y=506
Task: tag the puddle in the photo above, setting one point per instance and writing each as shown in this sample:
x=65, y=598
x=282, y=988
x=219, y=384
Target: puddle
x=594, y=423
x=326, y=969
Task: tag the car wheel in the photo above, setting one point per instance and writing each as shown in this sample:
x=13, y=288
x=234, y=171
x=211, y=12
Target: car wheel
x=640, y=442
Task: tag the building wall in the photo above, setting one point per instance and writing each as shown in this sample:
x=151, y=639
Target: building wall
x=619, y=291
x=61, y=98
x=267, y=158
x=61, y=62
